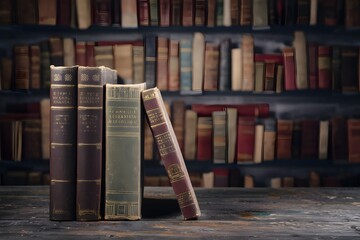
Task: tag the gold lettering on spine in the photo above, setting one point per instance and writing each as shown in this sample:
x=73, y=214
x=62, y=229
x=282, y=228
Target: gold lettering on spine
x=165, y=143
x=175, y=173
x=185, y=199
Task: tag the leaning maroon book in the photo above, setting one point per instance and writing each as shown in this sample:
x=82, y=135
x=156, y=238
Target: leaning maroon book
x=170, y=153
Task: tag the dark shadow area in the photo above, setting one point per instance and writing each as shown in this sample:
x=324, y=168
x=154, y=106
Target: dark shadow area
x=160, y=208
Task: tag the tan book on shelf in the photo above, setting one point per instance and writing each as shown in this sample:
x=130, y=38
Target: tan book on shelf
x=129, y=14
x=236, y=69
x=323, y=139
x=138, y=64
x=249, y=181
x=208, y=179
x=231, y=124
x=313, y=12
x=259, y=76
x=288, y=182
x=247, y=47
x=211, y=67
x=279, y=78
x=6, y=73
x=275, y=182
x=123, y=62
x=153, y=181
x=45, y=127
x=47, y=12
x=104, y=56
x=269, y=145
x=314, y=179
x=259, y=143
x=190, y=134
x=299, y=44
x=162, y=63
x=198, y=54
x=69, y=52
x=174, y=65
x=83, y=13
x=227, y=13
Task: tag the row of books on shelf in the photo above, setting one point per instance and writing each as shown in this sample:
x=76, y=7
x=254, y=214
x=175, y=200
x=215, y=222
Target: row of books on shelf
x=210, y=13
x=192, y=64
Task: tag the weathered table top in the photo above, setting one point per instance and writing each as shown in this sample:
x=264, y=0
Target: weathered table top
x=230, y=213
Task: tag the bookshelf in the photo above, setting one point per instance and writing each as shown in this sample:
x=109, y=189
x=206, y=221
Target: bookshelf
x=298, y=104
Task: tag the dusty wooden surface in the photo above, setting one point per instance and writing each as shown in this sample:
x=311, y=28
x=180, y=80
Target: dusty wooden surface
x=227, y=214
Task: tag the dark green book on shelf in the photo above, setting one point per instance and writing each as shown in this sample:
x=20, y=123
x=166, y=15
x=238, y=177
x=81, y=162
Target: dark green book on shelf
x=123, y=151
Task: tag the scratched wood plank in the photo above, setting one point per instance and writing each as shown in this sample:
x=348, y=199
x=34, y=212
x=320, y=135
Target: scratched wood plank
x=230, y=213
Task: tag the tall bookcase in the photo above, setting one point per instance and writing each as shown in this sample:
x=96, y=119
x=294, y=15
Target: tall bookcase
x=296, y=105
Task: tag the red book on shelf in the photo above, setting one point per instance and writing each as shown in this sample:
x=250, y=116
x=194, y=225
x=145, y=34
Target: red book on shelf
x=324, y=61
x=143, y=12
x=313, y=65
x=289, y=68
x=63, y=14
x=245, y=139
x=204, y=138
x=250, y=110
x=164, y=13
x=170, y=153
x=187, y=13
x=284, y=139
x=309, y=139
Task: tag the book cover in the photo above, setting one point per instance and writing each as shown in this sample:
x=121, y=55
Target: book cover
x=123, y=151
x=63, y=122
x=170, y=153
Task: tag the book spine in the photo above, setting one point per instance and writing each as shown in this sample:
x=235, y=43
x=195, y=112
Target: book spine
x=211, y=67
x=258, y=143
x=80, y=53
x=269, y=139
x=219, y=137
x=296, y=140
x=90, y=54
x=162, y=63
x=313, y=65
x=35, y=67
x=323, y=139
x=259, y=76
x=219, y=13
x=260, y=13
x=245, y=12
x=339, y=138
x=178, y=119
x=336, y=68
x=69, y=52
x=248, y=62
x=236, y=69
x=309, y=139
x=270, y=76
x=245, y=139
x=303, y=12
x=211, y=17
x=284, y=139
x=174, y=66
x=150, y=60
x=324, y=71
x=300, y=60
x=89, y=142
x=63, y=14
x=123, y=61
x=313, y=12
x=273, y=17
x=56, y=51
x=123, y=128
x=104, y=56
x=289, y=68
x=154, y=13
x=186, y=64
x=22, y=67
x=138, y=64
x=116, y=12
x=102, y=12
x=170, y=153
x=354, y=140
x=289, y=12
x=83, y=13
x=235, y=12
x=129, y=17
x=26, y=11
x=63, y=142
x=188, y=13
x=349, y=69
x=45, y=64
x=279, y=78
x=198, y=59
x=164, y=13
x=6, y=13
x=176, y=12
x=47, y=12
x=200, y=12
x=224, y=68
x=190, y=135
x=143, y=13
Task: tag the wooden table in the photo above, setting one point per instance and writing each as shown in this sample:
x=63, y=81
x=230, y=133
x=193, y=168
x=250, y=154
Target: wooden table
x=227, y=214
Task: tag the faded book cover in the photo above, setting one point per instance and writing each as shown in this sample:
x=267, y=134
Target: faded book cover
x=123, y=151
x=170, y=153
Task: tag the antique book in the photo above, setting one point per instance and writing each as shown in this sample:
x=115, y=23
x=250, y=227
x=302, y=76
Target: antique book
x=200, y=13
x=148, y=143
x=259, y=13
x=272, y=12
x=269, y=139
x=45, y=128
x=124, y=121
x=129, y=14
x=236, y=69
x=231, y=133
x=45, y=64
x=284, y=139
x=123, y=62
x=258, y=143
x=275, y=182
x=170, y=153
x=259, y=76
x=328, y=12
x=289, y=68
x=339, y=138
x=303, y=12
x=249, y=110
x=26, y=11
x=211, y=14
x=104, y=56
x=69, y=52
x=102, y=13
x=150, y=60
x=63, y=142
x=190, y=134
x=174, y=65
x=6, y=73
x=288, y=182
x=314, y=179
x=56, y=51
x=247, y=46
x=90, y=54
x=324, y=71
x=354, y=140
x=22, y=67
x=219, y=15
x=35, y=67
x=154, y=12
x=80, y=53
x=186, y=64
x=309, y=139
x=187, y=13
x=7, y=12
x=162, y=63
x=90, y=140
x=245, y=12
x=64, y=10
x=299, y=45
x=245, y=139
x=208, y=179
x=219, y=137
x=313, y=12
x=204, y=138
x=249, y=181
x=289, y=7
x=176, y=12
x=323, y=139
x=221, y=177
x=270, y=76
x=138, y=64
x=313, y=65
x=143, y=12
x=225, y=66
x=31, y=140
x=83, y=13
x=279, y=85
x=235, y=12
x=198, y=61
x=227, y=13
x=211, y=67
x=296, y=139
x=47, y=12
x=352, y=8
x=349, y=69
x=178, y=121
x=164, y=13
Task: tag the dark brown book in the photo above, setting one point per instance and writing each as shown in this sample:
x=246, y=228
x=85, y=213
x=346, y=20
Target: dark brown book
x=90, y=54
x=245, y=139
x=211, y=67
x=349, y=69
x=143, y=13
x=162, y=63
x=63, y=143
x=176, y=13
x=246, y=12
x=200, y=12
x=211, y=13
x=80, y=53
x=178, y=121
x=313, y=65
x=45, y=64
x=309, y=139
x=174, y=65
x=354, y=140
x=47, y=12
x=352, y=9
x=56, y=51
x=204, y=139
x=129, y=17
x=116, y=12
x=324, y=68
x=6, y=13
x=339, y=138
x=26, y=11
x=284, y=139
x=303, y=12
x=187, y=13
x=289, y=68
x=164, y=13
x=64, y=12
x=90, y=140
x=31, y=140
x=328, y=12
x=102, y=12
x=170, y=153
x=270, y=76
x=22, y=67
x=235, y=12
x=35, y=67
x=6, y=73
